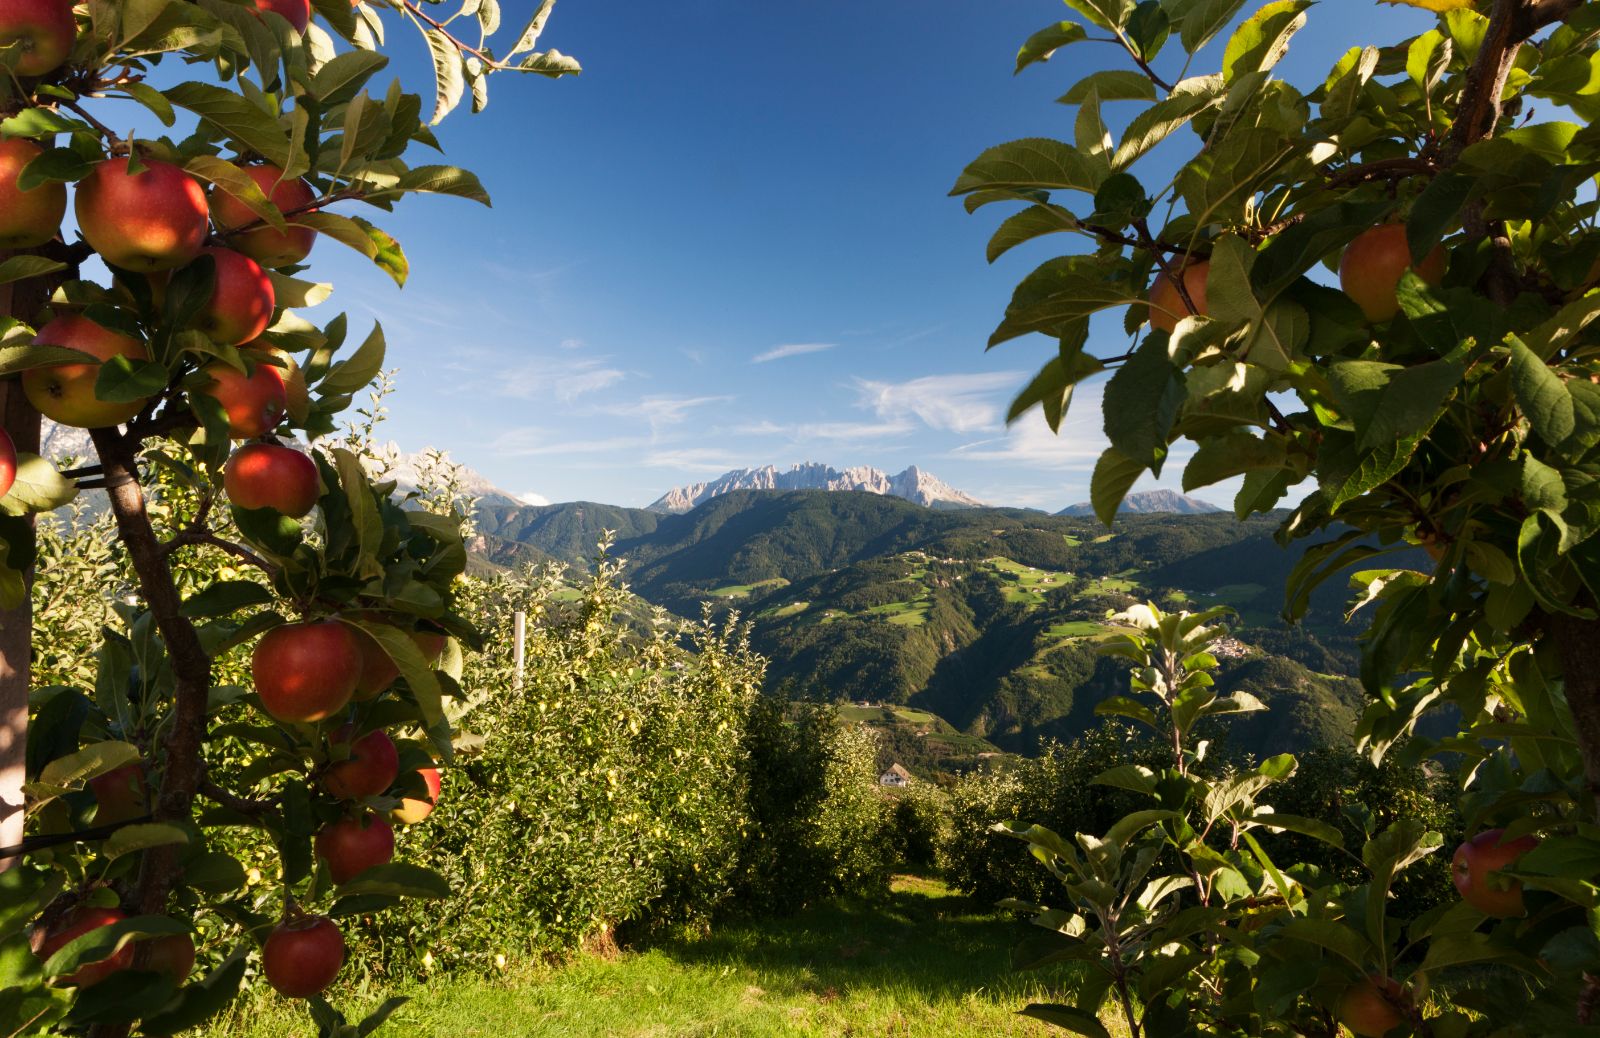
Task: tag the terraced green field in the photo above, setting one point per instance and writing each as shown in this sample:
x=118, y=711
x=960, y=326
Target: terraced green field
x=744, y=590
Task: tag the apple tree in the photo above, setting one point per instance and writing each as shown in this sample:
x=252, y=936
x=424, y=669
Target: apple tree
x=1371, y=297
x=193, y=369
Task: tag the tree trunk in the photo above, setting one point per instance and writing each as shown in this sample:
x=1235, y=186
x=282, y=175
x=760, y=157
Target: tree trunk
x=1578, y=642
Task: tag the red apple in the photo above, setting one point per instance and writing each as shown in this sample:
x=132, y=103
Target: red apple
x=1373, y=264
x=151, y=220
x=306, y=671
x=411, y=809
x=296, y=12
x=8, y=463
x=378, y=669
x=264, y=244
x=351, y=846
x=267, y=475
x=1477, y=859
x=370, y=769
x=1167, y=307
x=294, y=380
x=302, y=956
x=76, y=923
x=121, y=793
x=431, y=643
x=241, y=303
x=255, y=403
x=172, y=955
x=64, y=393
x=46, y=30
x=33, y=217
x=1372, y=1006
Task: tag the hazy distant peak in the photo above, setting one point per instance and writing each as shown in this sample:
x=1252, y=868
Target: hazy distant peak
x=913, y=485
x=1146, y=502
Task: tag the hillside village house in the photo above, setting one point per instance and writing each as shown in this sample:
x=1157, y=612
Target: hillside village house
x=895, y=776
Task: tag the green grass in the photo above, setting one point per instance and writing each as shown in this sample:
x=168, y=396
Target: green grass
x=743, y=590
x=918, y=961
x=1024, y=584
x=1238, y=593
x=792, y=609
x=1075, y=629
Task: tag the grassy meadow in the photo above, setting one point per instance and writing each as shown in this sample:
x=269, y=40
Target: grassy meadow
x=920, y=961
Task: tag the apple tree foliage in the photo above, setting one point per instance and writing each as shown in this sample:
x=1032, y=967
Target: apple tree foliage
x=238, y=84
x=1468, y=424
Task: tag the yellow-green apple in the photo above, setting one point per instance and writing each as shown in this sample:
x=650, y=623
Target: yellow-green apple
x=81, y=920
x=121, y=794
x=1373, y=1006
x=255, y=403
x=1475, y=860
x=8, y=463
x=413, y=810
x=371, y=767
x=306, y=671
x=302, y=956
x=151, y=220
x=296, y=12
x=64, y=393
x=241, y=301
x=1373, y=265
x=32, y=217
x=46, y=30
x=351, y=846
x=263, y=243
x=269, y=475
x=1167, y=307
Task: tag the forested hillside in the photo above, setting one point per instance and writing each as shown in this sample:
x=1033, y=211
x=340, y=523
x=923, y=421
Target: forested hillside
x=978, y=625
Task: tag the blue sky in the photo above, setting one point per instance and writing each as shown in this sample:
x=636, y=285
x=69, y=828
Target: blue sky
x=728, y=243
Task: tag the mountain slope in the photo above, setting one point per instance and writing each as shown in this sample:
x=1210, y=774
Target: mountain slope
x=1149, y=502
x=913, y=485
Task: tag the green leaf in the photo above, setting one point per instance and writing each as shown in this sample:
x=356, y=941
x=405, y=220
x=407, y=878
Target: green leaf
x=1114, y=475
x=356, y=372
x=1153, y=125
x=123, y=379
x=58, y=165
x=1312, y=827
x=39, y=122
x=1204, y=20
x=1110, y=85
x=528, y=38
x=38, y=487
x=1107, y=14
x=1566, y=416
x=1135, y=777
x=420, y=677
x=1028, y=164
x=235, y=115
x=349, y=70
x=1263, y=39
x=152, y=99
x=102, y=943
x=1068, y=1018
x=14, y=359
x=1030, y=223
x=1141, y=402
x=443, y=180
x=1344, y=942
x=233, y=181
x=199, y=1002
x=94, y=759
x=1388, y=402
x=398, y=879
x=1463, y=949
x=133, y=838
x=226, y=596
x=1042, y=44
x=1052, y=387
x=447, y=73
x=20, y=268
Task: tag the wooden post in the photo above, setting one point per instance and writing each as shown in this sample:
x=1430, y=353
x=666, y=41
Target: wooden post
x=519, y=637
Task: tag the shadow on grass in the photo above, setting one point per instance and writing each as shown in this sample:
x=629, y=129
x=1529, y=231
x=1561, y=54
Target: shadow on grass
x=918, y=939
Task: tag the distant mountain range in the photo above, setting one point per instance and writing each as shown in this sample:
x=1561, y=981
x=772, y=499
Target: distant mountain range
x=1151, y=502
x=913, y=485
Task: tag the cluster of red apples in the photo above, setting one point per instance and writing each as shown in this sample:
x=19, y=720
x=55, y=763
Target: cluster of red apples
x=148, y=218
x=1369, y=273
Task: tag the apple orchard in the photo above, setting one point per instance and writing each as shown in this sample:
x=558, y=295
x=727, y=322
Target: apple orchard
x=195, y=376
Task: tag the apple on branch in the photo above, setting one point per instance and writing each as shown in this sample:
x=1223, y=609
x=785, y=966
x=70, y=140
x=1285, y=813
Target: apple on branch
x=32, y=217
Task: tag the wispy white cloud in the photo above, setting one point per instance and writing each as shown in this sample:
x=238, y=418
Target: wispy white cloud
x=830, y=433
x=562, y=377
x=530, y=498
x=662, y=411
x=949, y=403
x=530, y=442
x=793, y=349
x=700, y=460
